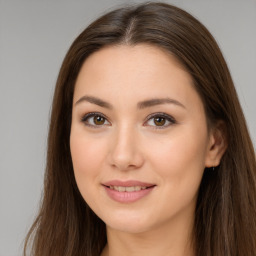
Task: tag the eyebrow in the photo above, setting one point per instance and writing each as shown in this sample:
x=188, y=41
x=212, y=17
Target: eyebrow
x=154, y=102
x=95, y=101
x=140, y=105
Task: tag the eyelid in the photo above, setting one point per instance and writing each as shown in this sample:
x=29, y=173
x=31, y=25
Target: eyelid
x=169, y=118
x=92, y=114
x=163, y=115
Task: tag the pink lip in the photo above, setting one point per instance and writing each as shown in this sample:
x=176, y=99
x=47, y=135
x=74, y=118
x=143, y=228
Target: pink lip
x=128, y=183
x=127, y=197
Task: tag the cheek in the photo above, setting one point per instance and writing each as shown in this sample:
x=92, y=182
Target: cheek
x=87, y=157
x=181, y=159
x=87, y=151
x=179, y=163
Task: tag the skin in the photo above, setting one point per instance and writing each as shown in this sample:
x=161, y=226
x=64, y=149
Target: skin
x=129, y=144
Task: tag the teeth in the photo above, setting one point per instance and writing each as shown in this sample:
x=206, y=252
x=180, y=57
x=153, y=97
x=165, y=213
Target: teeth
x=120, y=189
x=130, y=189
x=127, y=189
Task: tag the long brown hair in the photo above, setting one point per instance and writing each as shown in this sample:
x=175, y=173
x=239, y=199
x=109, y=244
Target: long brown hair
x=225, y=217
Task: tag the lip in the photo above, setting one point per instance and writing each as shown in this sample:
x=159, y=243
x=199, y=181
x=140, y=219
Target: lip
x=127, y=197
x=128, y=183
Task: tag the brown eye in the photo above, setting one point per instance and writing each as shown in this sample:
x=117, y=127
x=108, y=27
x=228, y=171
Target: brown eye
x=159, y=121
x=99, y=120
x=95, y=120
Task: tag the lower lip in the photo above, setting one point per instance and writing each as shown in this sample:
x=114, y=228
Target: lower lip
x=127, y=197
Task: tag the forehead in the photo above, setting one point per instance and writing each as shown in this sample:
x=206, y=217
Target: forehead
x=131, y=52
x=141, y=57
x=138, y=72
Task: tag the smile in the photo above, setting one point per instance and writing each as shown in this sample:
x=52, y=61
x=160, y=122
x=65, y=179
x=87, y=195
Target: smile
x=127, y=191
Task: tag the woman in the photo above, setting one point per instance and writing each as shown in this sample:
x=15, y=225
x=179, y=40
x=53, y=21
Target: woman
x=148, y=149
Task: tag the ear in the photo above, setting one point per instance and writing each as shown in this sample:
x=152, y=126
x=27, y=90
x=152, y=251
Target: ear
x=217, y=145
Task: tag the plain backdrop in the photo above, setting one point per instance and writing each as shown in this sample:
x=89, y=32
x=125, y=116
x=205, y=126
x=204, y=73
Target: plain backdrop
x=34, y=37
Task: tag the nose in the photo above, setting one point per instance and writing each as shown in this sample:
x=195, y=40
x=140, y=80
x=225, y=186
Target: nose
x=125, y=152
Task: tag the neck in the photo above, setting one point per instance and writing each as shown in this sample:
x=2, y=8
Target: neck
x=169, y=239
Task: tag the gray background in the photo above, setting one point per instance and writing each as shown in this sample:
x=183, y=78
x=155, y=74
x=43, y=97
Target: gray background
x=34, y=37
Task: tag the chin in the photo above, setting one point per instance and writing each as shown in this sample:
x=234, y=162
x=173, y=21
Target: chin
x=129, y=227
x=128, y=222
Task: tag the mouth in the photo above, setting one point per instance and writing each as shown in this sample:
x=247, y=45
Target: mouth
x=127, y=191
x=128, y=186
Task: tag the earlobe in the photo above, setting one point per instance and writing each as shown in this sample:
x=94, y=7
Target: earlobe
x=217, y=145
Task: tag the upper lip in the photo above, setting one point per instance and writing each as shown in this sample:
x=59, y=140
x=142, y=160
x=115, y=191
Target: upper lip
x=128, y=183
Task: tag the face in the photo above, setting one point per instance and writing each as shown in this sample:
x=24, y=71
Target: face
x=139, y=139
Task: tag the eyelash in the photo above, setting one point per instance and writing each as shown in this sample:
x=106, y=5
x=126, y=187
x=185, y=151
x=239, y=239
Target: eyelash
x=166, y=117
x=92, y=114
